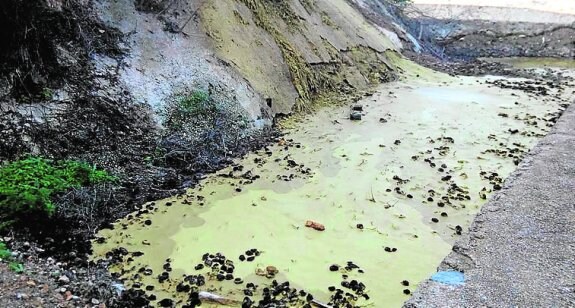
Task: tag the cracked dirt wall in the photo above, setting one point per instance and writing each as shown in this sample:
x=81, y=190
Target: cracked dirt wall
x=298, y=52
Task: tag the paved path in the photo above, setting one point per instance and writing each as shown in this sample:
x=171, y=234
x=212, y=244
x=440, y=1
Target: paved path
x=520, y=251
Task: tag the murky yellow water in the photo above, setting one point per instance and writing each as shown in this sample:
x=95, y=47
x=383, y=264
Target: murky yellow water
x=353, y=164
x=536, y=63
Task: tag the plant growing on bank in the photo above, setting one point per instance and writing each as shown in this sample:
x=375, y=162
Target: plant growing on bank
x=200, y=127
x=6, y=255
x=28, y=185
x=4, y=252
x=197, y=104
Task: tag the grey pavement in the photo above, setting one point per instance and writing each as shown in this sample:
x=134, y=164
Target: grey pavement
x=520, y=249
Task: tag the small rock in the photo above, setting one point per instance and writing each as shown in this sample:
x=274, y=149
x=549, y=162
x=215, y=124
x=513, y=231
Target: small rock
x=272, y=270
x=166, y=302
x=31, y=283
x=355, y=116
x=95, y=301
x=357, y=107
x=63, y=279
x=22, y=296
x=314, y=225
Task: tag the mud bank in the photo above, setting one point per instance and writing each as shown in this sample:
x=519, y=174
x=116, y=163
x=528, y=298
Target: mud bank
x=394, y=191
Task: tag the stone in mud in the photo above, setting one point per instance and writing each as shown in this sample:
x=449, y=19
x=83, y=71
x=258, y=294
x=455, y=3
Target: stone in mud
x=357, y=107
x=458, y=230
x=314, y=225
x=183, y=288
x=166, y=302
x=63, y=279
x=272, y=270
x=247, y=303
x=355, y=116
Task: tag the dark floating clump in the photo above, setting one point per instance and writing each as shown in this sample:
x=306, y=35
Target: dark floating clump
x=390, y=249
x=458, y=230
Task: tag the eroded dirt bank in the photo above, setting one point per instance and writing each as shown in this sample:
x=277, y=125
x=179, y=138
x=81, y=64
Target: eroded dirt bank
x=394, y=192
x=460, y=29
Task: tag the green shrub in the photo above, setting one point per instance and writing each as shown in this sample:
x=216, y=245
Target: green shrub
x=16, y=267
x=28, y=185
x=198, y=102
x=4, y=252
x=196, y=106
x=6, y=255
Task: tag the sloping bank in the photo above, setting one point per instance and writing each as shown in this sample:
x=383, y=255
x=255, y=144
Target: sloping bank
x=161, y=92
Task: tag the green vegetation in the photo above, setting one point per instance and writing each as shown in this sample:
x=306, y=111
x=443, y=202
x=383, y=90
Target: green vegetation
x=28, y=185
x=47, y=93
x=197, y=103
x=16, y=267
x=6, y=255
x=4, y=252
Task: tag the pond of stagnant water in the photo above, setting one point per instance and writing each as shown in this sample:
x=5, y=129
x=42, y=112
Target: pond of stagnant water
x=394, y=191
